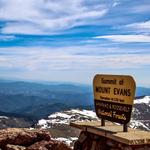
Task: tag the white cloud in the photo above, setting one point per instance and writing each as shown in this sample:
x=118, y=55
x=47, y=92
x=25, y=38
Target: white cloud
x=142, y=26
x=46, y=16
x=22, y=28
x=138, y=29
x=45, y=59
x=126, y=38
x=116, y=3
x=7, y=37
x=55, y=64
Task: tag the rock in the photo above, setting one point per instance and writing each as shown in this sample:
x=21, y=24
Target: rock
x=82, y=137
x=58, y=146
x=49, y=145
x=38, y=146
x=90, y=141
x=23, y=137
x=127, y=148
x=26, y=139
x=14, y=147
x=111, y=143
x=93, y=145
x=144, y=148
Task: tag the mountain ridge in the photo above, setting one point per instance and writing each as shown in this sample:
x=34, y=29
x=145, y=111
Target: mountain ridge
x=37, y=100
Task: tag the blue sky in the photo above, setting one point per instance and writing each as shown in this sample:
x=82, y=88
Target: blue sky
x=72, y=40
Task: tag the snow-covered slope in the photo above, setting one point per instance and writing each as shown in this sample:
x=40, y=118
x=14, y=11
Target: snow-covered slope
x=140, y=116
x=58, y=124
x=3, y=117
x=65, y=117
x=145, y=100
x=141, y=113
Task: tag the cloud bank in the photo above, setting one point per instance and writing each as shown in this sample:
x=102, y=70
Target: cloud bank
x=74, y=39
x=47, y=16
x=126, y=38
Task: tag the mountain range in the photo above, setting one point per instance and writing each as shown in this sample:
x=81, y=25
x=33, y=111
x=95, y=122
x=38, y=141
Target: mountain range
x=36, y=100
x=53, y=106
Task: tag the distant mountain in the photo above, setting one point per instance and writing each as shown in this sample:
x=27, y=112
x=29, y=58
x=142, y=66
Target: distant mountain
x=142, y=91
x=41, y=99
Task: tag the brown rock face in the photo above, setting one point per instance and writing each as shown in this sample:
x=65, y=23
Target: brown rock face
x=90, y=141
x=14, y=147
x=26, y=139
x=48, y=145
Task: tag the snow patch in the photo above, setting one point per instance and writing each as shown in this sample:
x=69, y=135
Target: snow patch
x=145, y=100
x=61, y=115
x=136, y=124
x=3, y=117
x=67, y=141
x=43, y=123
x=65, y=117
x=88, y=113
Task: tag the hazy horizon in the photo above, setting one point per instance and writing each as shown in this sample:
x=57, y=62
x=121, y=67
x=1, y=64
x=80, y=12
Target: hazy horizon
x=48, y=82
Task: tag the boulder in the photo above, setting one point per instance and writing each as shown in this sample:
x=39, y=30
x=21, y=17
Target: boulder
x=14, y=147
x=29, y=139
x=49, y=145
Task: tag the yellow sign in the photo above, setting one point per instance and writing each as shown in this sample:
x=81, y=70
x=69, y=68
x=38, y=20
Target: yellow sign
x=113, y=96
x=114, y=88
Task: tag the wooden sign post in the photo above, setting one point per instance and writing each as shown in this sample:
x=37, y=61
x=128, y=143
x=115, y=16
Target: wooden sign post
x=113, y=98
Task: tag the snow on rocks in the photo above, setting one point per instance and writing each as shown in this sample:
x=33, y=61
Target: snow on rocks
x=145, y=100
x=67, y=141
x=140, y=116
x=138, y=124
x=3, y=117
x=65, y=117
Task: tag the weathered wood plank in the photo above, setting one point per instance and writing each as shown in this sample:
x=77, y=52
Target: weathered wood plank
x=114, y=132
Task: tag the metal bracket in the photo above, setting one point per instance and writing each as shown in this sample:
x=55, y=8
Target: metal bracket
x=102, y=122
x=125, y=128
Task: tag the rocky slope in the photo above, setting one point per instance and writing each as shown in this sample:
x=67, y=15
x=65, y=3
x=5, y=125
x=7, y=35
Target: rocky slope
x=141, y=113
x=11, y=122
x=29, y=139
x=58, y=123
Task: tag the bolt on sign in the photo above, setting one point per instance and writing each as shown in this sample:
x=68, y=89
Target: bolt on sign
x=113, y=97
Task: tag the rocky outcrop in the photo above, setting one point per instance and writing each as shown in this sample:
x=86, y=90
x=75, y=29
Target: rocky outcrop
x=89, y=141
x=29, y=139
x=14, y=147
x=48, y=145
